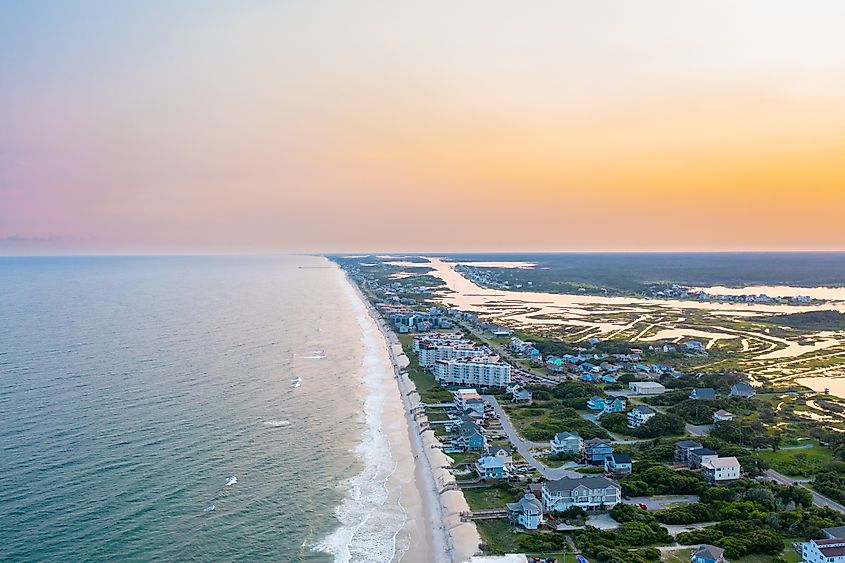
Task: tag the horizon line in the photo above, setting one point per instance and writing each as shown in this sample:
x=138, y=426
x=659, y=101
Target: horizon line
x=410, y=253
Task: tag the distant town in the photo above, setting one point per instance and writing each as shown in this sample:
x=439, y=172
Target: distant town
x=610, y=451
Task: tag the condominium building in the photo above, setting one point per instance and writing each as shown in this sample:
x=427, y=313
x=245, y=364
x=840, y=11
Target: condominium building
x=430, y=353
x=484, y=371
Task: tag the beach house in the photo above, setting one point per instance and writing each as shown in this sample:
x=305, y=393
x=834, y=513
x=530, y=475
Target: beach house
x=566, y=443
x=824, y=551
x=526, y=512
x=468, y=400
x=585, y=492
x=504, y=452
x=708, y=554
x=742, y=390
x=700, y=456
x=683, y=448
x=470, y=436
x=596, y=403
x=720, y=469
x=703, y=394
x=616, y=405
x=491, y=467
x=639, y=415
x=618, y=465
x=521, y=395
x=722, y=415
x=597, y=450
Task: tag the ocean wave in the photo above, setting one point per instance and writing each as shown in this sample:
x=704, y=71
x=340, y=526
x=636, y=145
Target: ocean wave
x=370, y=515
x=231, y=481
x=277, y=423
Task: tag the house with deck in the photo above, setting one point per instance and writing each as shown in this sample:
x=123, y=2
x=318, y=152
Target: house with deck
x=566, y=443
x=491, y=467
x=708, y=554
x=699, y=456
x=596, y=403
x=597, y=450
x=639, y=415
x=618, y=465
x=722, y=469
x=683, y=449
x=823, y=551
x=616, y=405
x=526, y=512
x=588, y=493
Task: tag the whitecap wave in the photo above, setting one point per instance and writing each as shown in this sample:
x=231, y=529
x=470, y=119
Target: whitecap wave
x=371, y=516
x=277, y=423
x=231, y=481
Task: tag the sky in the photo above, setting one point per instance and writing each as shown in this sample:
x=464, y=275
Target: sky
x=182, y=126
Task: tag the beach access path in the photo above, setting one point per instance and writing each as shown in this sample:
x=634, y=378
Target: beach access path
x=523, y=446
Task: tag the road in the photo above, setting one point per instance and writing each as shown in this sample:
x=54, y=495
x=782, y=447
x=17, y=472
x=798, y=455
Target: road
x=523, y=446
x=700, y=430
x=818, y=499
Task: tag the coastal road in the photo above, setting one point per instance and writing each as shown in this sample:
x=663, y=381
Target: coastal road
x=523, y=446
x=818, y=499
x=700, y=430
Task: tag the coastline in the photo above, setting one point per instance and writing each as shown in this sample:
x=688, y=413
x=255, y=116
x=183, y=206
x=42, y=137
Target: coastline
x=447, y=537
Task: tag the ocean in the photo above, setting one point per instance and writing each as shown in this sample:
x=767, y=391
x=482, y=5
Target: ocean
x=190, y=408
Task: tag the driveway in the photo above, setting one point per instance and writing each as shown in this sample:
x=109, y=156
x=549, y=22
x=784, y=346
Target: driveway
x=524, y=446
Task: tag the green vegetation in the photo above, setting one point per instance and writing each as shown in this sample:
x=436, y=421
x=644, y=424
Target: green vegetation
x=802, y=462
x=499, y=536
x=808, y=320
x=430, y=391
x=496, y=496
x=751, y=517
x=659, y=425
x=656, y=479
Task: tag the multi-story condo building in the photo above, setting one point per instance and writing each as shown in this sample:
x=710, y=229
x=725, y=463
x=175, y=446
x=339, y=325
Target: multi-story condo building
x=430, y=353
x=484, y=371
x=439, y=338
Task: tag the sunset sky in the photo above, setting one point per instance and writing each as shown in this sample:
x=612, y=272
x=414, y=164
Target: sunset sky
x=250, y=126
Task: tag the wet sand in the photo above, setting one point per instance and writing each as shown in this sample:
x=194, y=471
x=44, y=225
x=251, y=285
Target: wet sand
x=433, y=528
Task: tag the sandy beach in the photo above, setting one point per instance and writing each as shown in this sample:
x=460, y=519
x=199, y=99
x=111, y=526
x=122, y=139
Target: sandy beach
x=433, y=528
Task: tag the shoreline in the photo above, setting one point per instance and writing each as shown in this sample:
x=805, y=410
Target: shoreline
x=450, y=539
